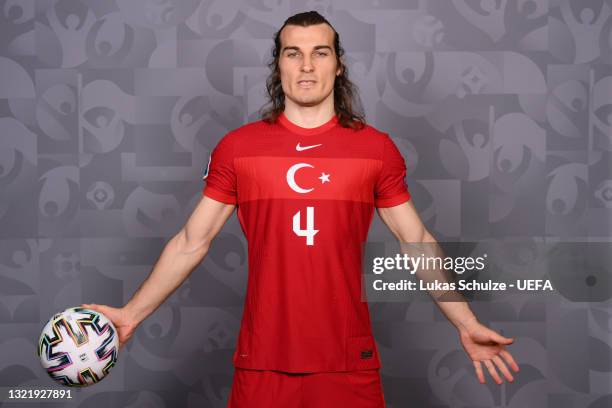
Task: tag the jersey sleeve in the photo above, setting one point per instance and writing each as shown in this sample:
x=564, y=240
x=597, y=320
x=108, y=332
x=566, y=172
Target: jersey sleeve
x=390, y=189
x=220, y=176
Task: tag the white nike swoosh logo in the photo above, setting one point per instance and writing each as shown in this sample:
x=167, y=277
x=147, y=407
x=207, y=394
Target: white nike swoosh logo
x=300, y=148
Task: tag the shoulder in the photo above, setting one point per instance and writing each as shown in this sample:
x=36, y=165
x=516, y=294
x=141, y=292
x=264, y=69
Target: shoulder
x=383, y=146
x=374, y=139
x=376, y=134
x=243, y=133
x=368, y=132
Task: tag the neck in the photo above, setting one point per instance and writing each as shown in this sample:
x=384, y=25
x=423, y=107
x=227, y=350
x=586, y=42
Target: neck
x=309, y=116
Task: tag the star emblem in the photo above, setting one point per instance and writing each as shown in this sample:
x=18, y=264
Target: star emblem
x=324, y=178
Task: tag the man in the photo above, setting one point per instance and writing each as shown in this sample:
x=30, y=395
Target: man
x=305, y=180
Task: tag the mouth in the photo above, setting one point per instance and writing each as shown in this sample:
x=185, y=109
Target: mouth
x=306, y=83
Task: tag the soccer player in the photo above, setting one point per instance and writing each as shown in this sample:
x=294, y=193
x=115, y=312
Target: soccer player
x=305, y=181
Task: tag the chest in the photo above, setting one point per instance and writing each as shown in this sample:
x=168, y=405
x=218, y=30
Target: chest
x=308, y=169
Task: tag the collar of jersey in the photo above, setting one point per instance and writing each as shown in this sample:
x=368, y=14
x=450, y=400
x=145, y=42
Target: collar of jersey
x=292, y=127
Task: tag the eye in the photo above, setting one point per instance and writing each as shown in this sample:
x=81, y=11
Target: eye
x=292, y=54
x=322, y=53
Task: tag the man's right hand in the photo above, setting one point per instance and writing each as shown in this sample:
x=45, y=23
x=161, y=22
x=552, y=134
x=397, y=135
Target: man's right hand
x=121, y=320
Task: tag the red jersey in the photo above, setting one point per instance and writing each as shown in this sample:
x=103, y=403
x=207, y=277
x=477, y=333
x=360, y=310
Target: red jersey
x=305, y=199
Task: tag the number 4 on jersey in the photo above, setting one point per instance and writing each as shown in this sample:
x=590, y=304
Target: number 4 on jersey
x=309, y=232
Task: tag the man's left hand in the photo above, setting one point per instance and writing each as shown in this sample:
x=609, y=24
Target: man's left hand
x=484, y=345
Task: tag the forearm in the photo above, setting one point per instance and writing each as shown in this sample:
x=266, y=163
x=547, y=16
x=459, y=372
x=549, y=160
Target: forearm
x=174, y=265
x=451, y=302
x=416, y=241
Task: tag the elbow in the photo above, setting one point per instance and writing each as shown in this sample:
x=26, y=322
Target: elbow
x=189, y=244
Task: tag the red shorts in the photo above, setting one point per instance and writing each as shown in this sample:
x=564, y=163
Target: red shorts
x=263, y=388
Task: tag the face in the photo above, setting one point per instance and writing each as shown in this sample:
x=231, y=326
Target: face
x=307, y=64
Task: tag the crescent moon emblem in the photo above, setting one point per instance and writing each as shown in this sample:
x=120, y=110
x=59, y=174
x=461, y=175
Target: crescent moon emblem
x=291, y=178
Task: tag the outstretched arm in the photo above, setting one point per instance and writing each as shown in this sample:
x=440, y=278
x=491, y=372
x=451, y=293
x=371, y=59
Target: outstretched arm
x=181, y=255
x=483, y=345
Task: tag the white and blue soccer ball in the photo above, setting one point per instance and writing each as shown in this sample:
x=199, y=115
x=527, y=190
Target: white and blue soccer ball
x=78, y=347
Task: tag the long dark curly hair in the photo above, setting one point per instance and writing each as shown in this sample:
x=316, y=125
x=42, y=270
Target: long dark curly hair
x=347, y=103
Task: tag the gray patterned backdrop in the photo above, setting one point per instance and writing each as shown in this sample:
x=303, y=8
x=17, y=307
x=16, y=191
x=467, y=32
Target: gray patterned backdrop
x=110, y=108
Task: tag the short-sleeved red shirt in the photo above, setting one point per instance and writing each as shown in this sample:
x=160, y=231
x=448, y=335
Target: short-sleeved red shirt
x=305, y=200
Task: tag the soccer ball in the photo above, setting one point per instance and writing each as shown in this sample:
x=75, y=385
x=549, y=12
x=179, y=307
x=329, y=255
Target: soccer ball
x=78, y=347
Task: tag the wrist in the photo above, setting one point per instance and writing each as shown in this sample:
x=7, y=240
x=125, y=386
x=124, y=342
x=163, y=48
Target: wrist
x=468, y=323
x=131, y=316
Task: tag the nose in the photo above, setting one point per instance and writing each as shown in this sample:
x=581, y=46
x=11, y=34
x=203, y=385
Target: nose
x=306, y=64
